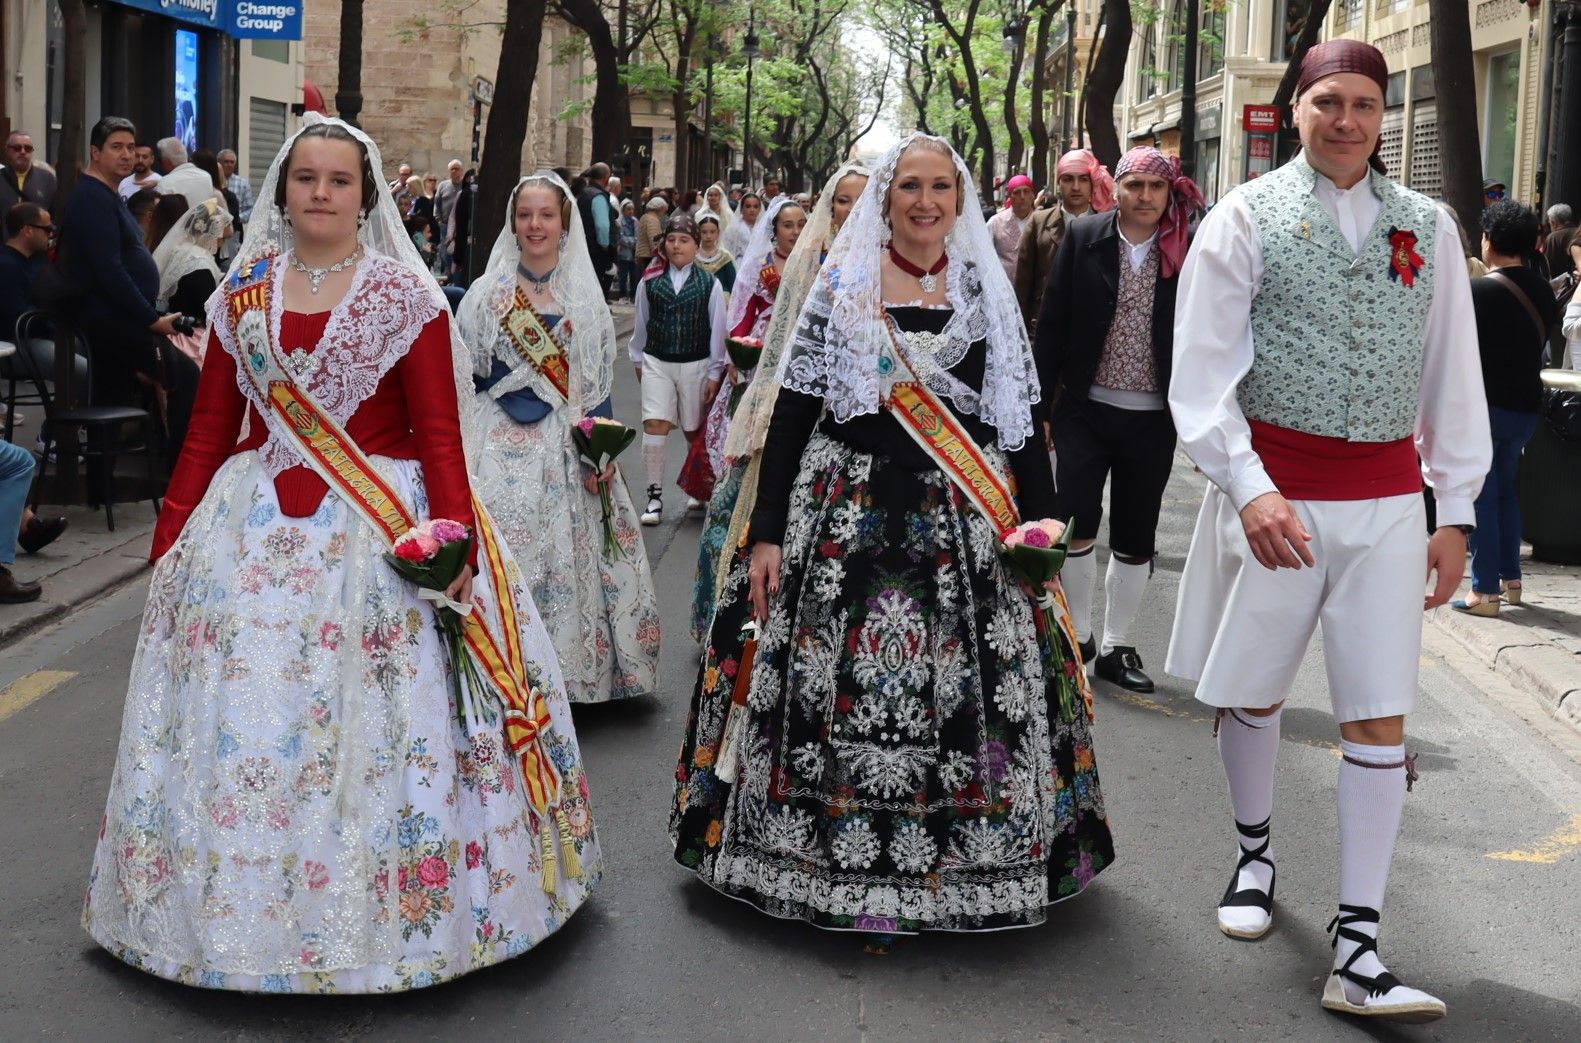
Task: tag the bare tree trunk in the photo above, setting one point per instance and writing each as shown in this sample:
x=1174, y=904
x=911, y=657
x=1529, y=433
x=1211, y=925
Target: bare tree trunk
x=1016, y=143
x=611, y=102
x=507, y=125
x=348, y=82
x=74, y=102
x=1103, y=82
x=1459, y=147
x=1037, y=123
x=1080, y=126
x=1311, y=29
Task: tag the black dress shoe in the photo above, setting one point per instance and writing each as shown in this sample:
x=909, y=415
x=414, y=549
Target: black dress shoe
x=14, y=591
x=1122, y=666
x=40, y=533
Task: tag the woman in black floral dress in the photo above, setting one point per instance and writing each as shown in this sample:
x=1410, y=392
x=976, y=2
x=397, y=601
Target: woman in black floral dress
x=903, y=763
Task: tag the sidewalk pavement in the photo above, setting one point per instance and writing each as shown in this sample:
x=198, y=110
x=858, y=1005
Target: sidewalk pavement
x=87, y=561
x=1536, y=645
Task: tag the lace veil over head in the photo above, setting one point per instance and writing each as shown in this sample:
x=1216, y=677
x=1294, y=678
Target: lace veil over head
x=750, y=425
x=392, y=297
x=190, y=247
x=579, y=300
x=722, y=211
x=749, y=266
x=841, y=333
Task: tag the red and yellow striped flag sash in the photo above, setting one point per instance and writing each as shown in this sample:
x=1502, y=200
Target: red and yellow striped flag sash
x=947, y=442
x=527, y=333
x=336, y=459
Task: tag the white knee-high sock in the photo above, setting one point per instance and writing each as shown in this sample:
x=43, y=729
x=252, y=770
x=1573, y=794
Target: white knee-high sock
x=1371, y=799
x=653, y=458
x=1123, y=587
x=1079, y=577
x=1248, y=745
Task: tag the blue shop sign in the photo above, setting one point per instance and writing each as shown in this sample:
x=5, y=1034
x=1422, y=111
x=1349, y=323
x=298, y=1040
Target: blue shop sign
x=242, y=19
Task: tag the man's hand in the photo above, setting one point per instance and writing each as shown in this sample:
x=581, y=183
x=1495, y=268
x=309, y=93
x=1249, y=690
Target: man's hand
x=710, y=390
x=765, y=576
x=1276, y=533
x=165, y=325
x=1446, y=555
x=638, y=368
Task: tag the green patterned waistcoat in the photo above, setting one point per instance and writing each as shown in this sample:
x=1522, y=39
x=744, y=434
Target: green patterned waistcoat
x=678, y=327
x=1338, y=335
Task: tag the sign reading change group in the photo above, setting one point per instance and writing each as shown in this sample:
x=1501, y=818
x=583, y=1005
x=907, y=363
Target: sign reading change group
x=242, y=19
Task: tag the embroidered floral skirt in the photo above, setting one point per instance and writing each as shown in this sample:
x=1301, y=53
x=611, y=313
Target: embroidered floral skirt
x=716, y=529
x=905, y=765
x=601, y=611
x=294, y=806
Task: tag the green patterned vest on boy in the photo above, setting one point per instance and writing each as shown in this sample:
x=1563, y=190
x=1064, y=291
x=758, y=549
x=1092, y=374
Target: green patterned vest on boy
x=678, y=322
x=1338, y=335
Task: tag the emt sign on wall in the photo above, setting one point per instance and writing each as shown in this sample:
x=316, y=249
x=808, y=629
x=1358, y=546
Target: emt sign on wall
x=242, y=19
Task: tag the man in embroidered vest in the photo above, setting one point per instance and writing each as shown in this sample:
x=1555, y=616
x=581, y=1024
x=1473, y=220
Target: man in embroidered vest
x=1324, y=340
x=678, y=347
x=1103, y=354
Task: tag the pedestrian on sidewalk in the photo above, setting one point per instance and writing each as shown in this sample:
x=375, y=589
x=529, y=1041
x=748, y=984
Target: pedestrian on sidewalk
x=678, y=346
x=1103, y=347
x=1515, y=309
x=1324, y=338
x=626, y=252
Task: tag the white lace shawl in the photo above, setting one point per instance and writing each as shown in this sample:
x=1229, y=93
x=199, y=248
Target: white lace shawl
x=750, y=426
x=840, y=334
x=190, y=247
x=590, y=347
x=392, y=297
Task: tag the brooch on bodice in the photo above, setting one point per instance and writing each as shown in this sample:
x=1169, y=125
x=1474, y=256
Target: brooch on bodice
x=1405, y=264
x=302, y=364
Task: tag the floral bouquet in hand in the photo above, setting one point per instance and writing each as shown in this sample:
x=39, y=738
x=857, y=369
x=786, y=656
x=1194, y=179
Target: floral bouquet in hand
x=431, y=556
x=1035, y=552
x=745, y=353
x=599, y=440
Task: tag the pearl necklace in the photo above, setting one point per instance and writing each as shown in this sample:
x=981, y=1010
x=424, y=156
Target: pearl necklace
x=316, y=276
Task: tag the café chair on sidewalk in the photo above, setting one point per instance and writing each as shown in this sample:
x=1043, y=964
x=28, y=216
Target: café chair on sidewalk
x=103, y=426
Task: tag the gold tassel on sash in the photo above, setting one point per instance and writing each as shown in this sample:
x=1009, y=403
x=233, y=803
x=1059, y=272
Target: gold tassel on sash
x=550, y=858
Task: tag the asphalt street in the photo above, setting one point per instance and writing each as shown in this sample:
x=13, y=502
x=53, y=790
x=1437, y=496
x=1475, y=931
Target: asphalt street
x=1483, y=908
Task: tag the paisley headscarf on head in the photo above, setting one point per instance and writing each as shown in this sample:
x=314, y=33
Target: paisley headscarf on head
x=1185, y=199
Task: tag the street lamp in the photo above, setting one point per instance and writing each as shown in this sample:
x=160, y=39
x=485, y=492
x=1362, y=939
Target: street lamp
x=1015, y=34
x=749, y=47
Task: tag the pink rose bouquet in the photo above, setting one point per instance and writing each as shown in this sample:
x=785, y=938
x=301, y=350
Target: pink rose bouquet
x=431, y=556
x=599, y=440
x=1034, y=552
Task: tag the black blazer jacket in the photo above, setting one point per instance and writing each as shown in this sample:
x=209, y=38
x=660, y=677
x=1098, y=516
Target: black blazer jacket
x=1078, y=308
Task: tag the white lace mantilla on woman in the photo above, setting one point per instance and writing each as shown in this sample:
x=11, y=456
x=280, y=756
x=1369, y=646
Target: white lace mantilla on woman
x=602, y=613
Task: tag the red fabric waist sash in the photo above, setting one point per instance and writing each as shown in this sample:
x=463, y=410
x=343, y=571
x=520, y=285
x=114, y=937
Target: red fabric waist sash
x=1316, y=467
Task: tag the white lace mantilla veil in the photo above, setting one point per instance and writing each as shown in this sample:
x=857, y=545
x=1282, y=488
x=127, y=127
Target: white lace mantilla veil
x=391, y=299
x=749, y=265
x=840, y=332
x=722, y=211
x=190, y=247
x=750, y=426
x=591, y=348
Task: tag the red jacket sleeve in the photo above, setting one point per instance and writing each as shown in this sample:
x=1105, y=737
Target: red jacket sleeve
x=428, y=382
x=211, y=436
x=755, y=308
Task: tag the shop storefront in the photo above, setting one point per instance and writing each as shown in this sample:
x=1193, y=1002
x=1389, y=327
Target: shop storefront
x=192, y=69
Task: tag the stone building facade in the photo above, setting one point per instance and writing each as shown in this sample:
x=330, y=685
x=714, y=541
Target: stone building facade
x=417, y=82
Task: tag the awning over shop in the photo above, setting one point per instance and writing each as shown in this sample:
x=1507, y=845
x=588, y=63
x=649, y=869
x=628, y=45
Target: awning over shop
x=243, y=19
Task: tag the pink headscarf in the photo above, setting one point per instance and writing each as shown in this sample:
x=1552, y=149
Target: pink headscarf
x=1019, y=181
x=1082, y=161
x=1185, y=199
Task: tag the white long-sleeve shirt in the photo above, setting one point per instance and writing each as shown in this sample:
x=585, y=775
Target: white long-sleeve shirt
x=1214, y=351
x=718, y=356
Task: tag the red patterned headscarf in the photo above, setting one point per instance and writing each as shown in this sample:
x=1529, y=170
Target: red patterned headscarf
x=1339, y=56
x=1185, y=199
x=1082, y=161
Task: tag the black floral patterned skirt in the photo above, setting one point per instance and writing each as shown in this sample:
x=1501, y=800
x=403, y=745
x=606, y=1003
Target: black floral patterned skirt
x=905, y=764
